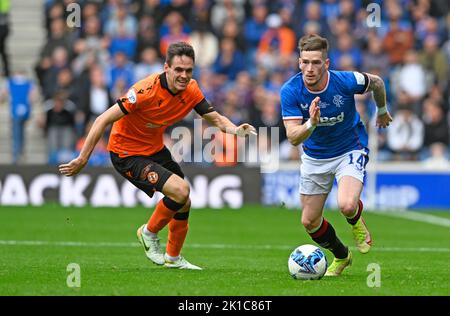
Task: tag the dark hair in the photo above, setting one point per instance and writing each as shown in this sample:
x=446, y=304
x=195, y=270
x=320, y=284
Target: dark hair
x=179, y=49
x=313, y=42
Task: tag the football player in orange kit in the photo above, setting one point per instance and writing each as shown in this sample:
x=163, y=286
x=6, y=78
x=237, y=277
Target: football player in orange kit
x=138, y=152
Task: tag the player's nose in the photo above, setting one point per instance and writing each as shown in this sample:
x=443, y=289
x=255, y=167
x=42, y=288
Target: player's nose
x=183, y=74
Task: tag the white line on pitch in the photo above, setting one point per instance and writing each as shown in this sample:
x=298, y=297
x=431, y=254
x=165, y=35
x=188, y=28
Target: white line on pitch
x=418, y=217
x=199, y=246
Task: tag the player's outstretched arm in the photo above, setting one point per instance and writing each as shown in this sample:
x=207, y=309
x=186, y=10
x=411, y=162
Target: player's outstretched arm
x=226, y=126
x=376, y=85
x=111, y=115
x=297, y=133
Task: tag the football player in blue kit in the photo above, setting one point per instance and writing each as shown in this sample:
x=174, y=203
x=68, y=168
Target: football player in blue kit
x=318, y=109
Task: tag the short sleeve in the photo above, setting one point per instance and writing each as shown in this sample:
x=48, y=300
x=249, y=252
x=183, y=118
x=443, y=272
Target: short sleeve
x=289, y=107
x=357, y=82
x=129, y=102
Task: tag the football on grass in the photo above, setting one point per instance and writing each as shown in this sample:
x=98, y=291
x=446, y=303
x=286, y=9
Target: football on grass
x=307, y=262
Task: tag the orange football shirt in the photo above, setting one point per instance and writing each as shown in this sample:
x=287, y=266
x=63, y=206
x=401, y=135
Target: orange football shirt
x=150, y=108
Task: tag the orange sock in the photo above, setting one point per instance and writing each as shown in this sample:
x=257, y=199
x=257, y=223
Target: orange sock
x=178, y=229
x=160, y=217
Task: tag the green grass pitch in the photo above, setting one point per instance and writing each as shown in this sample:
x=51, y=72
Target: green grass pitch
x=243, y=252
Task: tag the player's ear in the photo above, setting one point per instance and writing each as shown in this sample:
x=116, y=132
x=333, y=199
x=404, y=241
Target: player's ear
x=327, y=63
x=166, y=66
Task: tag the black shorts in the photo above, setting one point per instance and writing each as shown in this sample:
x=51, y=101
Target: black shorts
x=148, y=173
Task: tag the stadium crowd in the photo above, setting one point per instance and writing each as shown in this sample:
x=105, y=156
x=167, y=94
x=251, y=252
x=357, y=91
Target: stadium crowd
x=245, y=50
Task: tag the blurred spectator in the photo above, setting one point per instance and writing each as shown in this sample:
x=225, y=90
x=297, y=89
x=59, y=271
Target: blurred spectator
x=65, y=82
x=345, y=46
x=436, y=124
x=278, y=40
x=181, y=7
x=446, y=45
x=311, y=28
x=244, y=89
x=21, y=93
x=275, y=81
x=434, y=60
x=254, y=28
x=347, y=9
x=121, y=23
x=123, y=43
x=151, y=8
x=149, y=63
x=398, y=40
x=234, y=107
x=147, y=35
x=53, y=11
x=58, y=63
x=89, y=10
x=58, y=124
x=438, y=157
x=405, y=134
x=232, y=30
x=119, y=88
x=230, y=60
x=410, y=78
x=199, y=15
x=225, y=9
x=94, y=99
x=4, y=32
x=345, y=63
x=175, y=33
x=206, y=47
x=91, y=46
x=59, y=39
x=122, y=69
x=309, y=11
x=427, y=26
x=330, y=9
x=375, y=57
x=269, y=115
x=338, y=27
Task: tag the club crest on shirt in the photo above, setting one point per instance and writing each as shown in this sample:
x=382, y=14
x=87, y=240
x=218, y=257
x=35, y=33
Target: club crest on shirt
x=338, y=100
x=131, y=96
x=152, y=177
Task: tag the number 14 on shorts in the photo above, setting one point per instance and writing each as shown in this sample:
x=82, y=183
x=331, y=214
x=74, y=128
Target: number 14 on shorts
x=360, y=162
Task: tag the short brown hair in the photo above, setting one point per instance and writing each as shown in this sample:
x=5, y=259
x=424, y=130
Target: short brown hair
x=179, y=49
x=313, y=42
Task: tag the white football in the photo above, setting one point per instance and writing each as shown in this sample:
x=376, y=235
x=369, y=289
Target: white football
x=307, y=262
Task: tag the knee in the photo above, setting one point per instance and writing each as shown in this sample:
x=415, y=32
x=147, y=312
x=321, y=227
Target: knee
x=181, y=193
x=309, y=223
x=348, y=208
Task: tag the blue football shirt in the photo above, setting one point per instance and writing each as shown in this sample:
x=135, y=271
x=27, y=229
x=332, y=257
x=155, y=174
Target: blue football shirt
x=340, y=129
